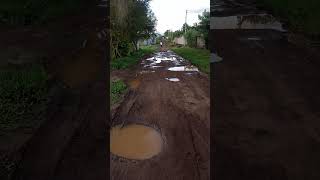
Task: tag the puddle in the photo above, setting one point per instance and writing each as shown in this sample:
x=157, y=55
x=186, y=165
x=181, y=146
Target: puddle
x=173, y=79
x=160, y=57
x=183, y=68
x=135, y=142
x=134, y=84
x=254, y=21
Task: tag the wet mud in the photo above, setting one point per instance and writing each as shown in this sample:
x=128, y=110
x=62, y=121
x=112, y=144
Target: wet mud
x=70, y=144
x=179, y=111
x=265, y=97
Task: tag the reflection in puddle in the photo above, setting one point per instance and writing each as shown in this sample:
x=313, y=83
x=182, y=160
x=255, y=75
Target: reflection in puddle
x=255, y=21
x=160, y=57
x=183, y=68
x=135, y=142
x=173, y=79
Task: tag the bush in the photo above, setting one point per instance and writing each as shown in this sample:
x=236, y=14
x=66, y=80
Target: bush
x=133, y=59
x=23, y=97
x=191, y=37
x=117, y=88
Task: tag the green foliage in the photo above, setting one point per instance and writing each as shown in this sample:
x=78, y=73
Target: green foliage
x=191, y=37
x=133, y=59
x=198, y=57
x=302, y=15
x=117, y=88
x=28, y=12
x=131, y=20
x=23, y=97
x=203, y=26
x=192, y=32
x=185, y=27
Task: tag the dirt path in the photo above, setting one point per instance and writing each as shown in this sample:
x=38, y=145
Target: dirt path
x=178, y=110
x=266, y=117
x=71, y=143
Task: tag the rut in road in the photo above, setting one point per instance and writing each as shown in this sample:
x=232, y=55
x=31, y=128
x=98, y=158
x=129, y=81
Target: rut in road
x=178, y=110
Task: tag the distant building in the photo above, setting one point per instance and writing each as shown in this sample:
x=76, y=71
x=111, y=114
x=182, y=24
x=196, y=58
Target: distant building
x=201, y=43
x=180, y=40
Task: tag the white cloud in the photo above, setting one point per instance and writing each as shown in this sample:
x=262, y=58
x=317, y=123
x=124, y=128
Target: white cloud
x=171, y=13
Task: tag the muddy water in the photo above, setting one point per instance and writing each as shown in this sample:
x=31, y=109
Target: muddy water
x=134, y=84
x=135, y=142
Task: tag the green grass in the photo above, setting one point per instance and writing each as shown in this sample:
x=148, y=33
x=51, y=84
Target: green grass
x=23, y=97
x=198, y=57
x=117, y=88
x=302, y=15
x=133, y=59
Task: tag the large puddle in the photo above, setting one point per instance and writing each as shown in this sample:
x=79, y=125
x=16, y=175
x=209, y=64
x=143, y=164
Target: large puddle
x=254, y=21
x=160, y=57
x=135, y=142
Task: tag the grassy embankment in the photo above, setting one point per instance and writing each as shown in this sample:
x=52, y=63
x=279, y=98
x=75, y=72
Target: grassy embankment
x=133, y=59
x=302, y=16
x=198, y=57
x=23, y=97
x=118, y=88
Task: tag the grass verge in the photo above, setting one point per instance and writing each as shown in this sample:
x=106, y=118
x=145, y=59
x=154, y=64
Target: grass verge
x=117, y=89
x=133, y=59
x=23, y=97
x=197, y=57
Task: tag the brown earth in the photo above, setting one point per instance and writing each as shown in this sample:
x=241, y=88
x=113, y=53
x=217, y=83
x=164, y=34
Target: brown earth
x=71, y=142
x=179, y=111
x=265, y=107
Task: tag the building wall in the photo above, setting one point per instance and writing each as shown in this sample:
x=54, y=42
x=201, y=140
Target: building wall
x=201, y=42
x=180, y=40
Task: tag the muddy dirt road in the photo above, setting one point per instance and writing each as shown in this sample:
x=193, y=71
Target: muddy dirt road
x=172, y=97
x=266, y=97
x=71, y=142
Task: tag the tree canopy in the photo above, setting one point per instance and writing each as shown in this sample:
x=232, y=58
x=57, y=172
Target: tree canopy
x=192, y=32
x=131, y=20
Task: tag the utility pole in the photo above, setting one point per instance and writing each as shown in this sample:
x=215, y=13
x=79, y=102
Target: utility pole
x=185, y=28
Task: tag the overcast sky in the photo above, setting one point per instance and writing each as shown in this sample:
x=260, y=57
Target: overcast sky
x=171, y=13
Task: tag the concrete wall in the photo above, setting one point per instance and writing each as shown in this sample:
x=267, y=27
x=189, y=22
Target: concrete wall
x=180, y=40
x=201, y=42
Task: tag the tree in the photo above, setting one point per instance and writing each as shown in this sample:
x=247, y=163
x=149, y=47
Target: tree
x=185, y=27
x=131, y=20
x=191, y=37
x=204, y=25
x=141, y=21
